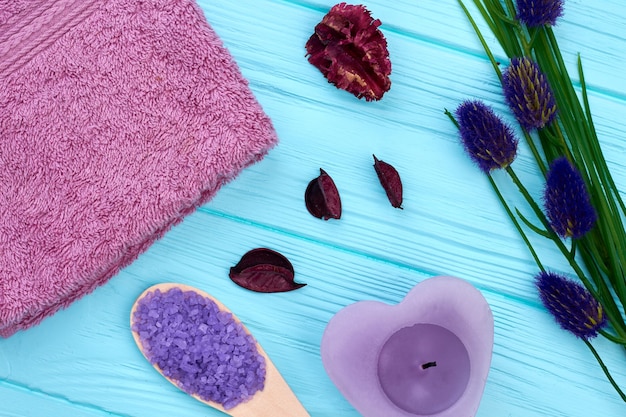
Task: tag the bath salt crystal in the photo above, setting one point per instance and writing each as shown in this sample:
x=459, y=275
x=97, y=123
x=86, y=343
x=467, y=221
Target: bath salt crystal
x=205, y=351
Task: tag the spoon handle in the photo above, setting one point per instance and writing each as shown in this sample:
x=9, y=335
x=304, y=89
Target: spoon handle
x=276, y=400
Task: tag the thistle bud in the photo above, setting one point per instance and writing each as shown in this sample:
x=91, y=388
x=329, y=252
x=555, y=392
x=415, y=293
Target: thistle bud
x=574, y=308
x=567, y=201
x=528, y=94
x=534, y=13
x=486, y=138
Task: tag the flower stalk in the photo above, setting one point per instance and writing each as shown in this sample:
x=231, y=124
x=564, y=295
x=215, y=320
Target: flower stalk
x=583, y=206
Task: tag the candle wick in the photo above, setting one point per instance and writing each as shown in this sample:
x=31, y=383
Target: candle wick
x=429, y=365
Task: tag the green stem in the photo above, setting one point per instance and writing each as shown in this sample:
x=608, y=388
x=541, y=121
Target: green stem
x=593, y=133
x=516, y=223
x=492, y=9
x=492, y=59
x=605, y=369
x=612, y=337
x=572, y=252
x=555, y=127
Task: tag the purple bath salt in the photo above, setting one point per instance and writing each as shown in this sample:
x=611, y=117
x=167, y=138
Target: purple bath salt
x=204, y=350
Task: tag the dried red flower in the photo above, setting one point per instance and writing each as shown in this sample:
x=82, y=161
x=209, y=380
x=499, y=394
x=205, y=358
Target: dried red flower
x=322, y=197
x=351, y=52
x=390, y=180
x=264, y=270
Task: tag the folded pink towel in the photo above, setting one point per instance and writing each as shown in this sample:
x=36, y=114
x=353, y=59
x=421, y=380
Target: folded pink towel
x=117, y=118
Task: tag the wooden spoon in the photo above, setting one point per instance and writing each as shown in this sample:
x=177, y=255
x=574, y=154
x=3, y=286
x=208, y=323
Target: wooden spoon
x=276, y=399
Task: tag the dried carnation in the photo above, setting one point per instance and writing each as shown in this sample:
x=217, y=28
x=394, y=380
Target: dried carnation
x=573, y=307
x=534, y=13
x=486, y=138
x=351, y=52
x=567, y=201
x=528, y=94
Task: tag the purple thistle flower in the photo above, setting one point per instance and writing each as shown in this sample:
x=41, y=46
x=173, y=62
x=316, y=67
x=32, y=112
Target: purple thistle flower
x=567, y=201
x=573, y=307
x=487, y=139
x=535, y=13
x=528, y=94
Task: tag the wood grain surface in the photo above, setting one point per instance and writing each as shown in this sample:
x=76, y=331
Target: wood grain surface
x=83, y=362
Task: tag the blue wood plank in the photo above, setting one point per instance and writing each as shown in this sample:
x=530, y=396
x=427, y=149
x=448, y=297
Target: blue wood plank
x=20, y=401
x=83, y=362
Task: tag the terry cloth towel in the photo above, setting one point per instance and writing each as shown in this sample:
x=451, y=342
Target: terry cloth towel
x=117, y=118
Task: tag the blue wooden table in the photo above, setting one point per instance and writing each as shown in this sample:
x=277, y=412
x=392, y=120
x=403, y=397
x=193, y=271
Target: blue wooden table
x=82, y=362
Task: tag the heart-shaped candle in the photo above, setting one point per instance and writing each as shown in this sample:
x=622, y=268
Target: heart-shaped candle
x=429, y=355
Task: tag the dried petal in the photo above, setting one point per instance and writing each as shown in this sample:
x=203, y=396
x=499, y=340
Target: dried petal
x=351, y=52
x=264, y=270
x=390, y=180
x=322, y=197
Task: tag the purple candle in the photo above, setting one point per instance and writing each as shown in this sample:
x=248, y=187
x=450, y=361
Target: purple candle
x=429, y=355
x=424, y=368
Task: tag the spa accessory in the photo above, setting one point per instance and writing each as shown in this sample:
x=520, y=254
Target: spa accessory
x=176, y=325
x=427, y=356
x=117, y=119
